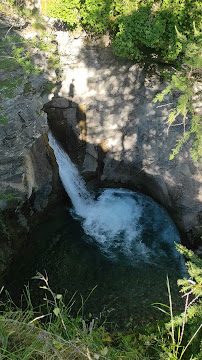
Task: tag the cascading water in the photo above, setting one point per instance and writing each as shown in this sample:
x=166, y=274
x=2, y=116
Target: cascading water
x=73, y=183
x=115, y=239
x=123, y=223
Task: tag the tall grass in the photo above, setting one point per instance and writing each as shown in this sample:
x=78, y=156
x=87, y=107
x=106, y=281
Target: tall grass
x=174, y=348
x=50, y=332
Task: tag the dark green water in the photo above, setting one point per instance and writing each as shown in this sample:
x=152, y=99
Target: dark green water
x=123, y=293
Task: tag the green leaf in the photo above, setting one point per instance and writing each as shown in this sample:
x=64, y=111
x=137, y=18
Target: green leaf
x=59, y=296
x=104, y=351
x=56, y=311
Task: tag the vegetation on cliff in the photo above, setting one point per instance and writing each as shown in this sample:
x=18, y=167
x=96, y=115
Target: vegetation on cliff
x=187, y=80
x=18, y=55
x=134, y=25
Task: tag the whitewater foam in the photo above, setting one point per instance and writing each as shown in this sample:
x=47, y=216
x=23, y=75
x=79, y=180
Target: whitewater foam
x=120, y=221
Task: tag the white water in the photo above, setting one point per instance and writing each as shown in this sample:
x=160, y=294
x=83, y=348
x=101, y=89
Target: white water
x=72, y=181
x=121, y=222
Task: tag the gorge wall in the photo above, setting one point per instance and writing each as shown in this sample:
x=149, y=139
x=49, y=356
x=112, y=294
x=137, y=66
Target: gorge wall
x=29, y=181
x=102, y=112
x=124, y=133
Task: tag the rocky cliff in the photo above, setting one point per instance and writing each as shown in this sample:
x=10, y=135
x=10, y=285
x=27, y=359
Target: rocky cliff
x=28, y=172
x=102, y=111
x=125, y=134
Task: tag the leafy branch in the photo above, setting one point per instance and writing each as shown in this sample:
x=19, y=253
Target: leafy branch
x=188, y=82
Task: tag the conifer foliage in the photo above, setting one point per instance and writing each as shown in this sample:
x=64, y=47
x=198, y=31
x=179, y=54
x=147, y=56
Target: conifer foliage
x=188, y=81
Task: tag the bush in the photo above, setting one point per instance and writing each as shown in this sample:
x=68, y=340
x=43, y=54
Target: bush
x=135, y=26
x=64, y=10
x=152, y=25
x=95, y=16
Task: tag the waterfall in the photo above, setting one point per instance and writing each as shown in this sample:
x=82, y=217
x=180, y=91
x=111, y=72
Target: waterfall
x=72, y=181
x=121, y=222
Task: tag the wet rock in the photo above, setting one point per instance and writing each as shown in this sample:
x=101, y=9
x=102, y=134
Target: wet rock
x=90, y=163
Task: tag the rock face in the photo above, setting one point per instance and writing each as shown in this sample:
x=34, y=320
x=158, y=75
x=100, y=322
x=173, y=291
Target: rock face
x=124, y=132
x=30, y=181
x=28, y=171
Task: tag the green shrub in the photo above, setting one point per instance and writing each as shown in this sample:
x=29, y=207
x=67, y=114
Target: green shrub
x=152, y=26
x=135, y=26
x=95, y=15
x=64, y=10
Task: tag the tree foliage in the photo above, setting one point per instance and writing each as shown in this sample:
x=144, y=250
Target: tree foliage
x=64, y=10
x=188, y=81
x=134, y=25
x=95, y=15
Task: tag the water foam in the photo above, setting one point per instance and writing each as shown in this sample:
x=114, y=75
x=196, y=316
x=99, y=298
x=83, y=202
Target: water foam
x=120, y=221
